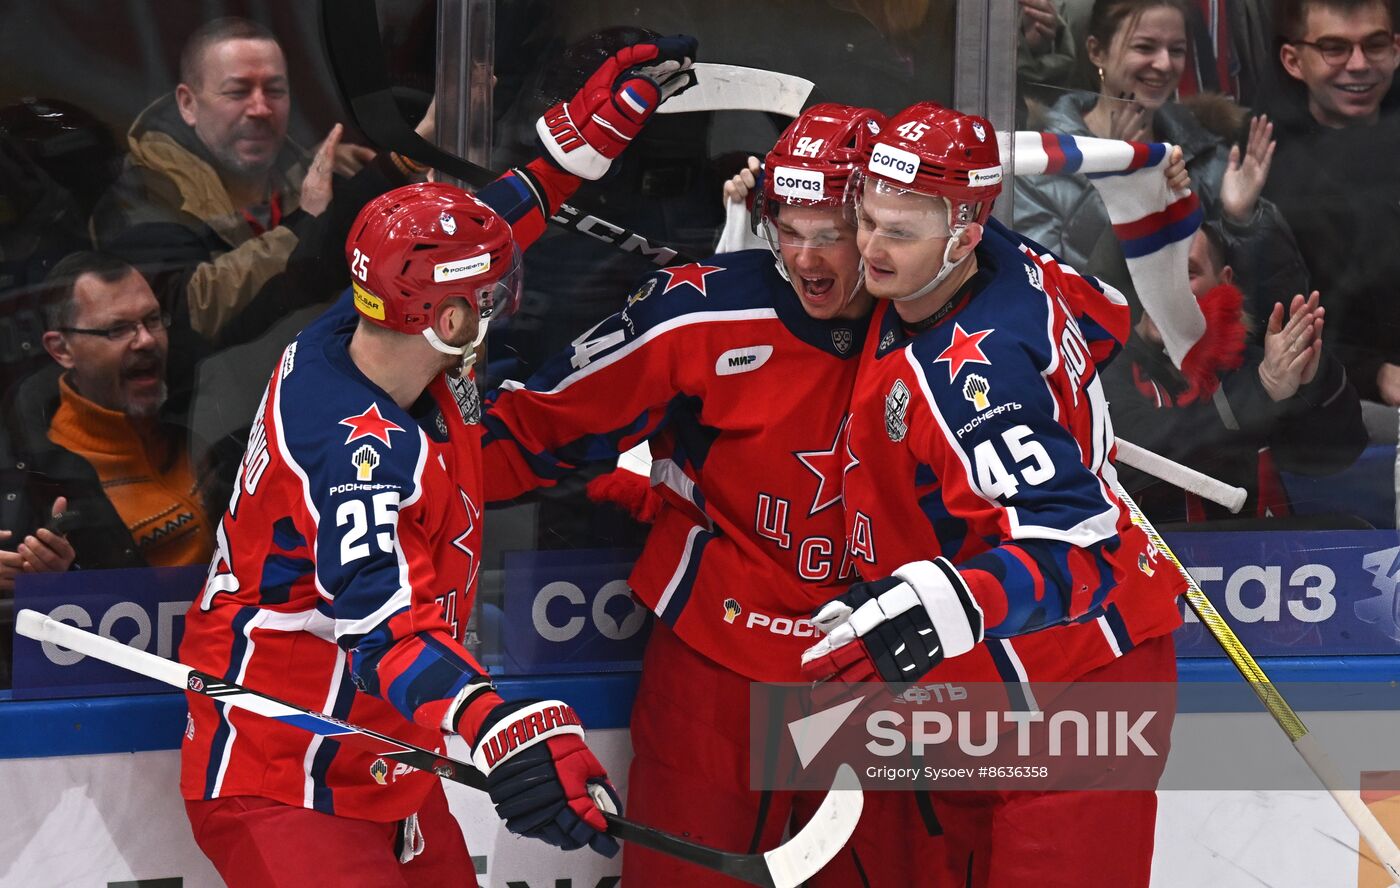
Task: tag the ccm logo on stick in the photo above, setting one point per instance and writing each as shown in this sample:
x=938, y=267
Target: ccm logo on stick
x=896, y=163
x=742, y=360
x=790, y=182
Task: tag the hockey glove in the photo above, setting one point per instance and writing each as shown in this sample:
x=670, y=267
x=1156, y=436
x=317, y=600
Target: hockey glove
x=895, y=629
x=541, y=775
x=586, y=134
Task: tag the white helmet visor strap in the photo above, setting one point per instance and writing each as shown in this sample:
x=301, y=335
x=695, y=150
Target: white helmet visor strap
x=943, y=270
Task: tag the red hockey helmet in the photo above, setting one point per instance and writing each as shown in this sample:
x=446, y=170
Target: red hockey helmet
x=817, y=153
x=929, y=149
x=412, y=248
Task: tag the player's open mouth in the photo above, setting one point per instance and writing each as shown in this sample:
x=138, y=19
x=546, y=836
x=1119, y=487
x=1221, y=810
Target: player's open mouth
x=816, y=288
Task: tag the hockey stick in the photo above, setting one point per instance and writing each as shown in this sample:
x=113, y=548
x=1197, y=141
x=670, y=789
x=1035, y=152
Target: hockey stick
x=1349, y=800
x=355, y=53
x=736, y=88
x=786, y=866
x=1185, y=477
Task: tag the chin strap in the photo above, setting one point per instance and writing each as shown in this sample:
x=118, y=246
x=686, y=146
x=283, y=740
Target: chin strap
x=944, y=270
x=466, y=352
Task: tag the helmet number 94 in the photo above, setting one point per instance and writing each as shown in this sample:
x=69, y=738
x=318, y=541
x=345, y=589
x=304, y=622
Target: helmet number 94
x=359, y=265
x=1030, y=463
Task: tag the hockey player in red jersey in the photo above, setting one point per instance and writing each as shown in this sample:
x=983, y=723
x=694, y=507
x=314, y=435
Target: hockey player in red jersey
x=978, y=491
x=737, y=370
x=347, y=561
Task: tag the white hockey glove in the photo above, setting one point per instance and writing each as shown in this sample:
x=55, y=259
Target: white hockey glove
x=895, y=629
x=586, y=134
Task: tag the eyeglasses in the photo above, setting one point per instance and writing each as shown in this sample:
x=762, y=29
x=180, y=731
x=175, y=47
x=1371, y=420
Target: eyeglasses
x=1335, y=50
x=124, y=332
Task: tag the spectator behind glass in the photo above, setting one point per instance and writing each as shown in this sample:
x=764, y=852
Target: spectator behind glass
x=91, y=431
x=1335, y=179
x=1139, y=50
x=1284, y=407
x=213, y=192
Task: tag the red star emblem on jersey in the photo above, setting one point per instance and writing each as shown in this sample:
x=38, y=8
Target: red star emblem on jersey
x=693, y=274
x=966, y=348
x=830, y=467
x=370, y=424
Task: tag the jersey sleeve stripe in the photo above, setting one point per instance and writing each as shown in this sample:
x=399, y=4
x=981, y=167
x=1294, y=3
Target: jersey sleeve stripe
x=676, y=323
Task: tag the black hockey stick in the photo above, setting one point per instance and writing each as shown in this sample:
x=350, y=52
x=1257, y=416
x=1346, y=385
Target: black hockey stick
x=786, y=866
x=355, y=52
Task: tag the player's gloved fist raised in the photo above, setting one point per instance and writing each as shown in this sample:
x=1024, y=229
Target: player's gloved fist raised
x=895, y=629
x=585, y=134
x=542, y=778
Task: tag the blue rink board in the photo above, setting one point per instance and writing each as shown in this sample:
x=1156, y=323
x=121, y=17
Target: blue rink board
x=86, y=726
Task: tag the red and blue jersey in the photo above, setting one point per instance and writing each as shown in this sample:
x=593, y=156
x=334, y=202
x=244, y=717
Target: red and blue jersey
x=742, y=397
x=986, y=439
x=344, y=570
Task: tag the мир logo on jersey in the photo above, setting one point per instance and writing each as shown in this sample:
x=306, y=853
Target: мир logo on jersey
x=975, y=389
x=896, y=405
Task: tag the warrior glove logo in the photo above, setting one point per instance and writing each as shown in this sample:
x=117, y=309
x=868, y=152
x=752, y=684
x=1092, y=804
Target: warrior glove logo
x=896, y=405
x=975, y=389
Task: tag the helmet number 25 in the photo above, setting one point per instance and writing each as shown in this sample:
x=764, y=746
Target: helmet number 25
x=359, y=265
x=1029, y=460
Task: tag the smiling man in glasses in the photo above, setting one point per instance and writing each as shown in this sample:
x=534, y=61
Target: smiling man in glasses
x=90, y=431
x=1334, y=177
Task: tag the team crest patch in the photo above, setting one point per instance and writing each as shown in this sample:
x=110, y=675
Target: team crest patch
x=975, y=389
x=447, y=224
x=979, y=131
x=842, y=338
x=896, y=405
x=365, y=460
x=732, y=610
x=642, y=292
x=466, y=396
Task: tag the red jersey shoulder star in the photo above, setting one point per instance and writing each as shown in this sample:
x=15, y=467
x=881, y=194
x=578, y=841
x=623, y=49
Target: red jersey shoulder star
x=370, y=424
x=693, y=274
x=966, y=348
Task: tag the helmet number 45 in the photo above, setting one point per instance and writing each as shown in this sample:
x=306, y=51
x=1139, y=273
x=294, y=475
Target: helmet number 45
x=912, y=130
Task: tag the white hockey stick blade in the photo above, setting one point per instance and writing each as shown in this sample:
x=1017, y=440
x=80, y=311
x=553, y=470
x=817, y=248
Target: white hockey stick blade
x=736, y=88
x=1185, y=477
x=802, y=856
